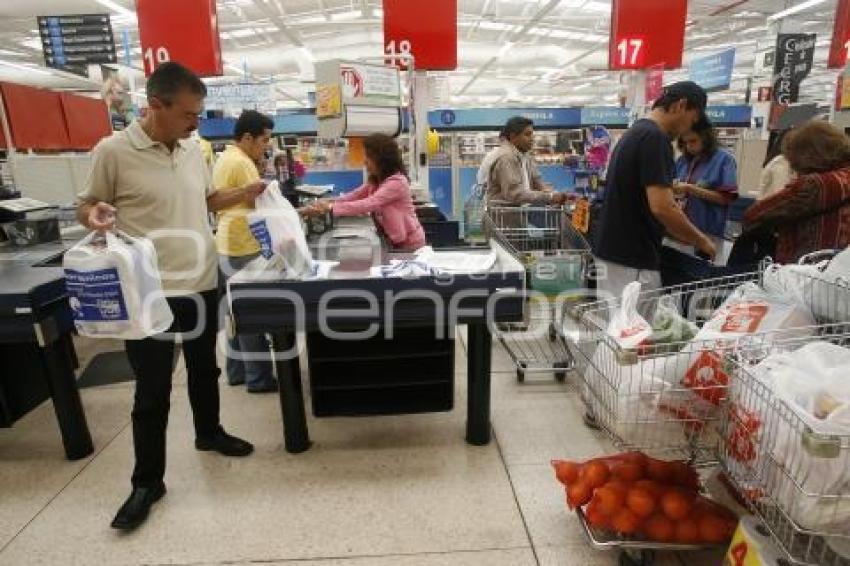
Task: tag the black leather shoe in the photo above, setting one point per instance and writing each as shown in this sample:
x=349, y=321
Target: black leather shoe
x=225, y=444
x=135, y=510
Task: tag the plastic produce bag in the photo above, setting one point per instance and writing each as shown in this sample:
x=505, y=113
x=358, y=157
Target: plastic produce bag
x=114, y=287
x=277, y=227
x=805, y=433
x=627, y=327
x=669, y=326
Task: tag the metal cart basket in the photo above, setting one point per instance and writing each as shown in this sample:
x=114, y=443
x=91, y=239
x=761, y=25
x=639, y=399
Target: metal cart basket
x=555, y=256
x=649, y=398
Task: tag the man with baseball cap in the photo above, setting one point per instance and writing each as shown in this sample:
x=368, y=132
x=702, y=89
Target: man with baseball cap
x=639, y=206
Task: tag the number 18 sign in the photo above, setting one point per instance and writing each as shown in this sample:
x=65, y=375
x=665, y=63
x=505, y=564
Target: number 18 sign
x=647, y=33
x=425, y=30
x=185, y=31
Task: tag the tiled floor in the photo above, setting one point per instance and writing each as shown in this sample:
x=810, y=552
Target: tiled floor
x=391, y=491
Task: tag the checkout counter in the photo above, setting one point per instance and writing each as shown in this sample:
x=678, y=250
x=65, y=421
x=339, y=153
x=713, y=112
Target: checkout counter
x=405, y=359
x=36, y=345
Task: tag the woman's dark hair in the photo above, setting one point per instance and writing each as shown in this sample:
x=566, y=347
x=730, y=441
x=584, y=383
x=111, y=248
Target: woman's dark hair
x=384, y=152
x=816, y=147
x=707, y=134
x=775, y=148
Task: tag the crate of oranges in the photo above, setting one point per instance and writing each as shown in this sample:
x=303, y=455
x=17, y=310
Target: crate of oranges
x=631, y=500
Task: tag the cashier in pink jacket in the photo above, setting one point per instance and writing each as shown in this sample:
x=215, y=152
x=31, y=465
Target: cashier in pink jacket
x=386, y=196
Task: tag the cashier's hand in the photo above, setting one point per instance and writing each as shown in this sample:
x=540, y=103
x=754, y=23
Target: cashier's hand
x=101, y=216
x=251, y=191
x=559, y=199
x=707, y=247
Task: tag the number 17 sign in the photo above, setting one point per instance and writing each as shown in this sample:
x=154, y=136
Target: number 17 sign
x=427, y=31
x=647, y=33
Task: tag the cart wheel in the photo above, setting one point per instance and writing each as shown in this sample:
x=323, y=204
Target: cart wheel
x=642, y=558
x=520, y=373
x=590, y=421
x=561, y=376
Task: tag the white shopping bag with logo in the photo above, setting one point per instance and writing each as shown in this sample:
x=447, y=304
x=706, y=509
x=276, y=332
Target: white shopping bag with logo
x=277, y=228
x=114, y=287
x=627, y=327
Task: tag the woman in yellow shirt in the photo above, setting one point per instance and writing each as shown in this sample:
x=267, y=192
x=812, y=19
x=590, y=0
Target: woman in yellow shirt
x=235, y=169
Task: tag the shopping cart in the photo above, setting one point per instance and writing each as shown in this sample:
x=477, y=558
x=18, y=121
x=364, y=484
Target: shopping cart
x=649, y=398
x=778, y=463
x=555, y=256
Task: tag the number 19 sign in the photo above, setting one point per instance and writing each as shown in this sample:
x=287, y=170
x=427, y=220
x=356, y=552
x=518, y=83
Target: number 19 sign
x=185, y=31
x=647, y=33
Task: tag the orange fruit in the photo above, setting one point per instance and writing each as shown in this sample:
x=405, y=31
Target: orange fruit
x=650, y=487
x=595, y=516
x=611, y=498
x=713, y=529
x=595, y=473
x=684, y=475
x=659, y=528
x=641, y=502
x=687, y=532
x=637, y=458
x=628, y=472
x=625, y=522
x=566, y=472
x=676, y=505
x=578, y=494
x=660, y=471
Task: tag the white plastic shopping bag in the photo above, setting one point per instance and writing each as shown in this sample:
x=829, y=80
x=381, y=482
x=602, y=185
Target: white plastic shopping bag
x=627, y=327
x=803, y=430
x=114, y=287
x=277, y=227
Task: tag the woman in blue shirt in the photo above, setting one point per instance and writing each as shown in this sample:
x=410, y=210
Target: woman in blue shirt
x=708, y=178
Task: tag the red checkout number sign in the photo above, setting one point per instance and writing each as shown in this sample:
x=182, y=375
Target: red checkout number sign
x=631, y=53
x=839, y=49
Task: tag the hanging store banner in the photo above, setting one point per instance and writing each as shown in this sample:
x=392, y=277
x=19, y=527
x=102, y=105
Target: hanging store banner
x=840, y=46
x=495, y=118
x=645, y=33
x=185, y=32
x=714, y=72
x=425, y=30
x=654, y=83
x=795, y=55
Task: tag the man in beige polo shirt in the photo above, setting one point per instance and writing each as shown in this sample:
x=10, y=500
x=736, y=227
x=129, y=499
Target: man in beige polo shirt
x=151, y=180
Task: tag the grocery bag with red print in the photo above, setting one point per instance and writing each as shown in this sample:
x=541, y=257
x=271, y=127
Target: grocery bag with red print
x=750, y=319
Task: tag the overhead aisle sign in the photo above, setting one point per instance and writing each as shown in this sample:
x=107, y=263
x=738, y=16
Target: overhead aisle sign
x=185, y=31
x=72, y=43
x=647, y=33
x=425, y=30
x=713, y=72
x=840, y=46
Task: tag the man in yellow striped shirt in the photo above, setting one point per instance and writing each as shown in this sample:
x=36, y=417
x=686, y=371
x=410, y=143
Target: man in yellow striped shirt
x=236, y=167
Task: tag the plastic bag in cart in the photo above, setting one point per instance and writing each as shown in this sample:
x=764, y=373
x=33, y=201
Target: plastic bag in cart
x=627, y=327
x=809, y=444
x=114, y=287
x=749, y=320
x=277, y=227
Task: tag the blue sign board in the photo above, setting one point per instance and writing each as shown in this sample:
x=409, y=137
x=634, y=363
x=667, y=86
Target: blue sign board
x=604, y=116
x=495, y=118
x=713, y=72
x=740, y=116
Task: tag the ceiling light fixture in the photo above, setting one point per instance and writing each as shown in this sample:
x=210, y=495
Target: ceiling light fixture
x=794, y=10
x=117, y=8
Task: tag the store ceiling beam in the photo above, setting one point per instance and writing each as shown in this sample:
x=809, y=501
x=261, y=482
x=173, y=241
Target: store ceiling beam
x=551, y=5
x=287, y=31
